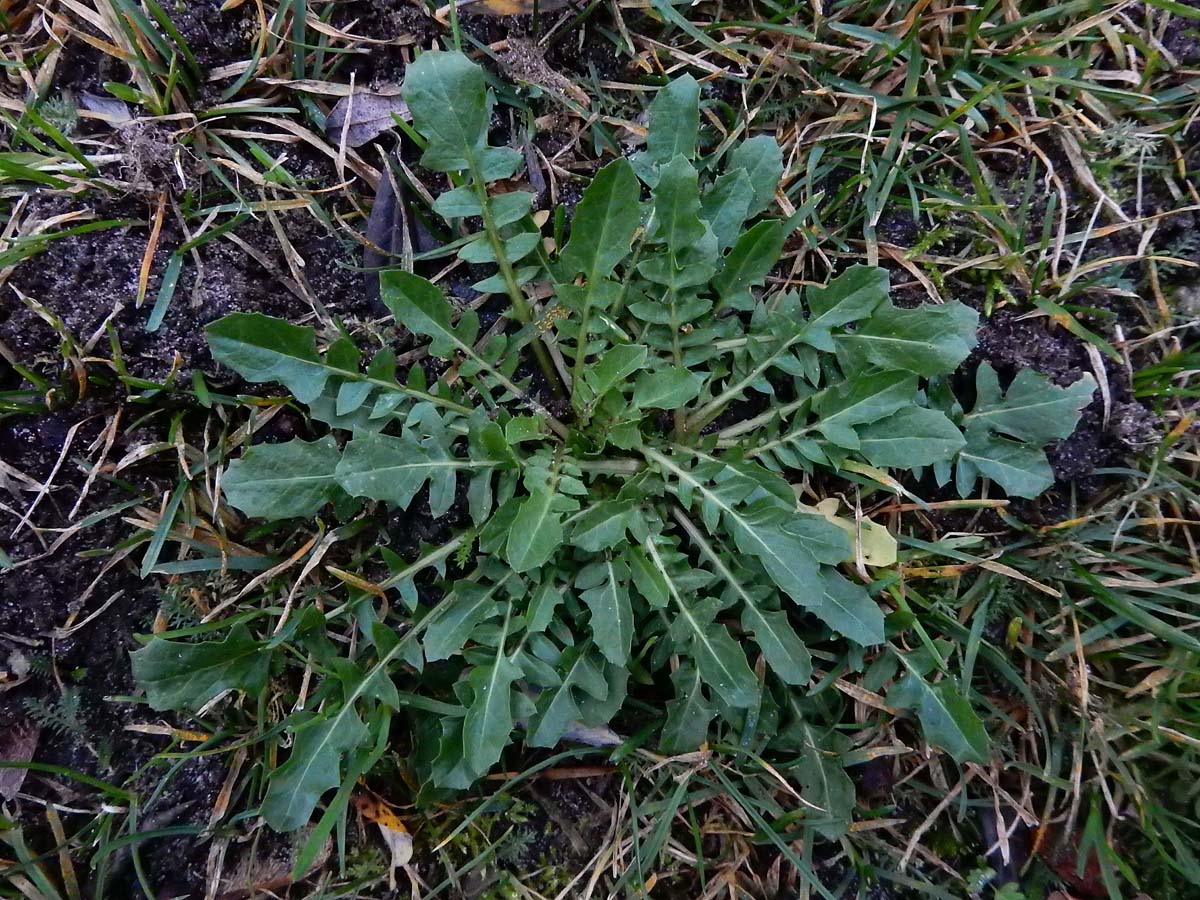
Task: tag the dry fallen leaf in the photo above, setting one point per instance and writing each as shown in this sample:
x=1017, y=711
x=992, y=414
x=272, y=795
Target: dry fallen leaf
x=593, y=736
x=502, y=7
x=395, y=835
x=363, y=116
x=18, y=743
x=109, y=109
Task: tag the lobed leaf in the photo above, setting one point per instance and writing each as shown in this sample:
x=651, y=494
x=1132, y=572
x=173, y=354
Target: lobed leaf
x=179, y=675
x=761, y=158
x=1032, y=409
x=489, y=720
x=825, y=785
x=603, y=587
x=282, y=481
x=674, y=121
x=910, y=438
x=313, y=767
x=945, y=714
x=927, y=340
x=688, y=715
x=1022, y=471
x=261, y=348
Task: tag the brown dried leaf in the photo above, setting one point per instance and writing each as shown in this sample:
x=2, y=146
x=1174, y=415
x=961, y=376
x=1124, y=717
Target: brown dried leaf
x=17, y=744
x=503, y=7
x=363, y=116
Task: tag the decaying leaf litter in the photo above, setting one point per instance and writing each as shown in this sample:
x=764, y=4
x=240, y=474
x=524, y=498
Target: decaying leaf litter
x=1057, y=255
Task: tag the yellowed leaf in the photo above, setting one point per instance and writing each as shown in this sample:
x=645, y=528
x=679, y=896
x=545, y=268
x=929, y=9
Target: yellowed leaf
x=394, y=834
x=878, y=545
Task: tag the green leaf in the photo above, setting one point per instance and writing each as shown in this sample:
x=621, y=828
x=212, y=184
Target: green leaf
x=604, y=588
x=613, y=367
x=282, y=481
x=558, y=708
x=537, y=531
x=421, y=307
x=1032, y=409
x=489, y=720
x=649, y=581
x=912, y=437
x=481, y=250
x=722, y=663
x=605, y=222
x=753, y=256
x=785, y=652
x=842, y=605
x=540, y=613
x=852, y=295
x=261, y=348
x=179, y=675
x=313, y=767
x=823, y=540
x=674, y=121
x=666, y=389
x=864, y=397
x=458, y=203
x=524, y=428
x=688, y=715
x=825, y=785
x=447, y=95
x=846, y=607
x=676, y=197
x=596, y=712
x=603, y=525
x=762, y=160
x=381, y=467
x=468, y=605
x=1022, y=470
x=782, y=647
x=782, y=554
x=511, y=207
x=726, y=206
x=928, y=340
x=945, y=714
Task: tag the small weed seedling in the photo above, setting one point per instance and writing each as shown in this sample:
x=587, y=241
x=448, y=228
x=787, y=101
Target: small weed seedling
x=651, y=528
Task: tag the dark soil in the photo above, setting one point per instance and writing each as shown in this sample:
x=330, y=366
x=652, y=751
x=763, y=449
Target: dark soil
x=90, y=281
x=75, y=681
x=1011, y=341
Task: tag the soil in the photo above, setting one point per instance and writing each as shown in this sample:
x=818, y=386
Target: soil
x=90, y=281
x=75, y=680
x=1010, y=342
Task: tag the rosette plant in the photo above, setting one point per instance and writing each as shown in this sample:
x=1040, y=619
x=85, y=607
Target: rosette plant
x=638, y=455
